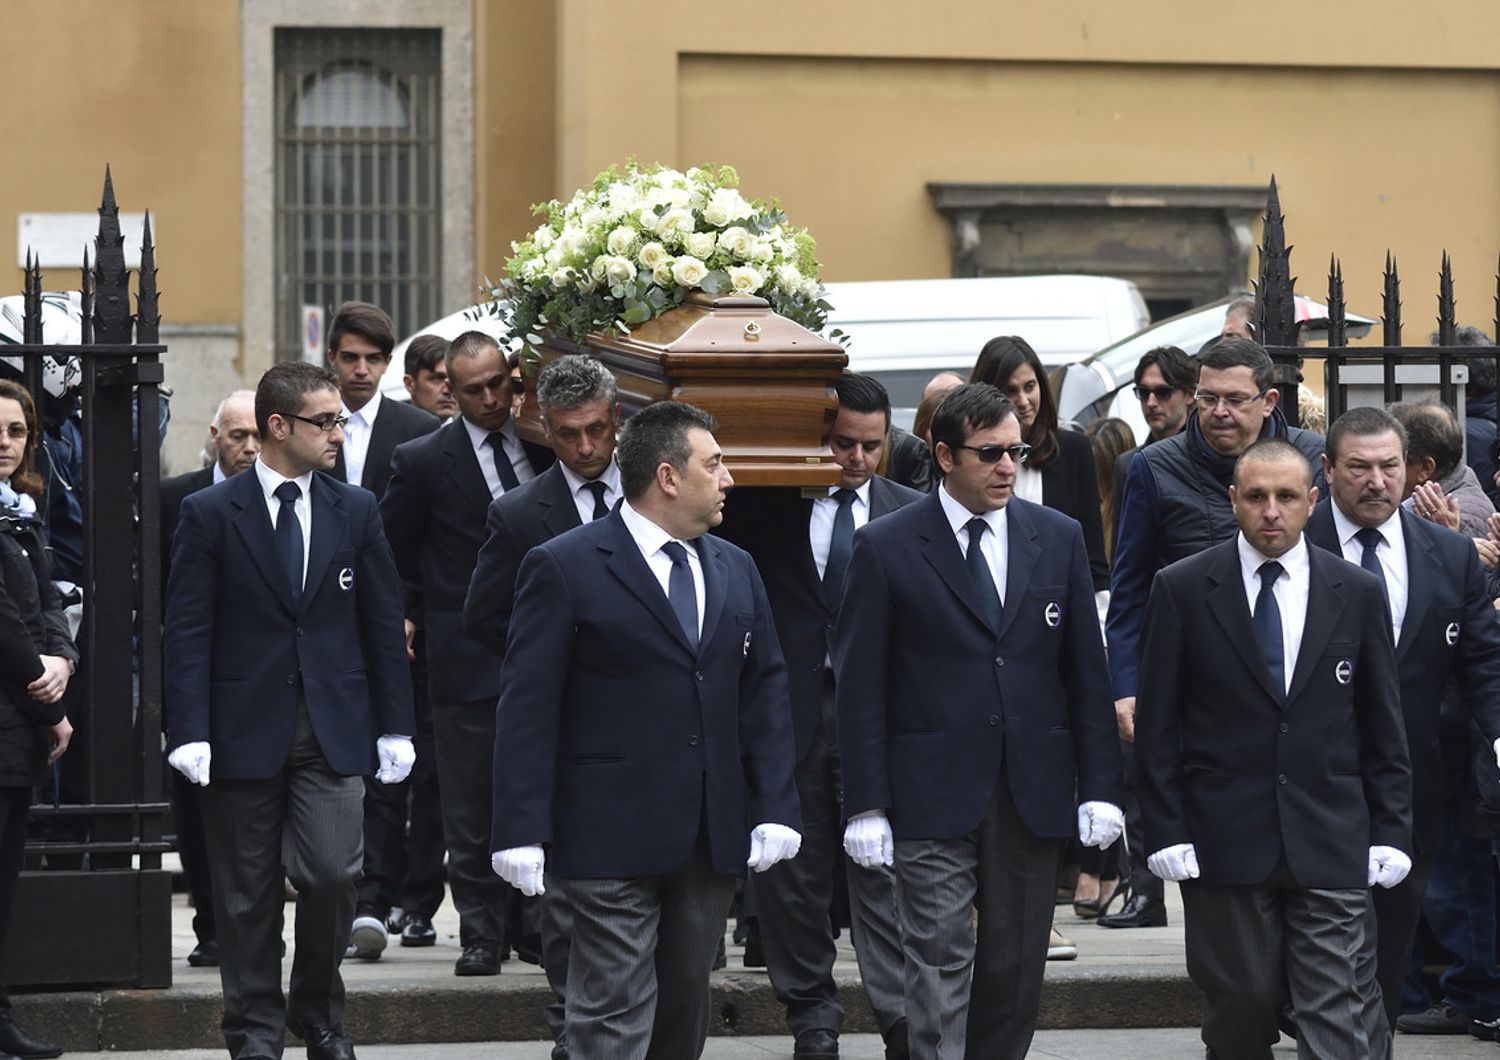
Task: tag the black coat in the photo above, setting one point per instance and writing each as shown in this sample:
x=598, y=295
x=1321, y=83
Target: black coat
x=1071, y=485
x=174, y=491
x=32, y=624
x=395, y=423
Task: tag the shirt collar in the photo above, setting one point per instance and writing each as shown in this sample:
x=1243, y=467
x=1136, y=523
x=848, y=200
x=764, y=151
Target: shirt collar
x=219, y=475
x=862, y=494
x=610, y=476
x=648, y=536
x=959, y=516
x=478, y=435
x=1294, y=560
x=1346, y=528
x=367, y=411
x=270, y=479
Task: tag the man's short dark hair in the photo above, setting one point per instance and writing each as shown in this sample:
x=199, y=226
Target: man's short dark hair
x=365, y=320
x=1178, y=370
x=1273, y=451
x=862, y=393
x=471, y=344
x=969, y=408
x=1481, y=369
x=423, y=354
x=1242, y=353
x=283, y=388
x=1365, y=421
x=657, y=435
x=573, y=381
x=1431, y=431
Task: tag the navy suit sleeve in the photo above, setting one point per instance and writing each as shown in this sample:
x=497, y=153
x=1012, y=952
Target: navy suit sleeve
x=380, y=611
x=1384, y=760
x=862, y=643
x=1158, y=705
x=492, y=587
x=404, y=509
x=1130, y=581
x=1478, y=663
x=1101, y=774
x=187, y=639
x=528, y=716
x=766, y=743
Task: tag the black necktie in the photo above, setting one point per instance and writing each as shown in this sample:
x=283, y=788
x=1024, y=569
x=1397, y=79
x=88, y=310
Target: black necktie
x=1267, y=623
x=979, y=571
x=597, y=488
x=1371, y=538
x=289, y=536
x=507, y=473
x=680, y=592
x=840, y=545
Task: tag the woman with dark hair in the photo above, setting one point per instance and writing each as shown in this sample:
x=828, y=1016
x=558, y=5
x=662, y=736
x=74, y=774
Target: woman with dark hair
x=37, y=657
x=1110, y=437
x=1059, y=472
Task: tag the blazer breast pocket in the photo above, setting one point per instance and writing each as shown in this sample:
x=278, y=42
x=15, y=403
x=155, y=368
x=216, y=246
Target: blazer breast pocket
x=1046, y=607
x=341, y=577
x=1341, y=659
x=1447, y=626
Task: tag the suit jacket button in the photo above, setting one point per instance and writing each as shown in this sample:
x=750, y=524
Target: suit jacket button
x=699, y=675
x=994, y=720
x=692, y=741
x=299, y=631
x=291, y=679
x=1000, y=662
x=1283, y=727
x=1281, y=779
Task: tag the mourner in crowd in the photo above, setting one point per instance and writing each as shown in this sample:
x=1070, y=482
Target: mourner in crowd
x=802, y=548
x=1437, y=479
x=426, y=376
x=1165, y=379
x=972, y=794
x=434, y=510
x=285, y=684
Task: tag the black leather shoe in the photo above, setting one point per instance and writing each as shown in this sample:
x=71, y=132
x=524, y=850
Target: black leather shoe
x=417, y=931
x=1140, y=911
x=817, y=1044
x=480, y=958
x=16, y=1042
x=896, y=1045
x=205, y=955
x=324, y=1043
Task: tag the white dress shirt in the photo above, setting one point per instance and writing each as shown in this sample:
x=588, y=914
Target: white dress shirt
x=820, y=522
x=1290, y=590
x=583, y=497
x=650, y=538
x=479, y=438
x=994, y=545
x=269, y=481
x=218, y=472
x=1028, y=484
x=1391, y=553
x=357, y=437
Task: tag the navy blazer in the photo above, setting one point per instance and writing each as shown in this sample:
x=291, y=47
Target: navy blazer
x=434, y=510
x=235, y=643
x=1250, y=773
x=935, y=706
x=616, y=742
x=517, y=522
x=1450, y=631
x=772, y=525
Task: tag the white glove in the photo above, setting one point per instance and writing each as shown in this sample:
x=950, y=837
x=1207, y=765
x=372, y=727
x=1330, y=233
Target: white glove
x=191, y=760
x=770, y=843
x=1497, y=752
x=1388, y=866
x=522, y=868
x=1175, y=863
x=867, y=840
x=397, y=756
x=1099, y=823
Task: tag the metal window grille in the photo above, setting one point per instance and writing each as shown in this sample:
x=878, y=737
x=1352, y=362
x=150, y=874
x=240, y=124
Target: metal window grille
x=357, y=178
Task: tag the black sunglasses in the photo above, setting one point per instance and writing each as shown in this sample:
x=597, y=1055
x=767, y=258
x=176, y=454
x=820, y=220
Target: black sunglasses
x=1160, y=393
x=991, y=454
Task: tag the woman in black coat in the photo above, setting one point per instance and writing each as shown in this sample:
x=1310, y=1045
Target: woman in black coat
x=37, y=657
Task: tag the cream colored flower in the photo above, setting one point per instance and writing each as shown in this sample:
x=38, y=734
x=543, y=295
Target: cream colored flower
x=621, y=241
x=688, y=271
x=762, y=251
x=745, y=280
x=619, y=270
x=598, y=265
x=700, y=244
x=662, y=274
x=737, y=241
x=652, y=255
x=675, y=223
x=562, y=278
x=789, y=278
x=726, y=205
x=544, y=237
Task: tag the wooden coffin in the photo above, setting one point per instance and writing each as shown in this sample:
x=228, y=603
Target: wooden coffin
x=768, y=381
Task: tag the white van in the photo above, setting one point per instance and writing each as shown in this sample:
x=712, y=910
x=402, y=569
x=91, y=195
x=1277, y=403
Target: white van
x=904, y=332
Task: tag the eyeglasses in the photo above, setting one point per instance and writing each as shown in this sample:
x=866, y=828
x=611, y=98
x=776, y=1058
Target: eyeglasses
x=18, y=431
x=326, y=424
x=991, y=454
x=1208, y=402
x=1160, y=393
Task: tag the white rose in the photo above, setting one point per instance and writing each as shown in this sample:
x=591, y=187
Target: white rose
x=572, y=241
x=688, y=271
x=644, y=218
x=620, y=241
x=728, y=204
x=737, y=241
x=562, y=278
x=662, y=274
x=700, y=244
x=619, y=270
x=675, y=223
x=653, y=254
x=623, y=197
x=788, y=278
x=596, y=269
x=812, y=289
x=544, y=237
x=762, y=251
x=593, y=217
x=745, y=280
x=553, y=257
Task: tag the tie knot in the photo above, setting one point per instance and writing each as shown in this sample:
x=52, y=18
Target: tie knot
x=496, y=441
x=976, y=527
x=1369, y=537
x=844, y=497
x=288, y=492
x=676, y=553
x=1269, y=572
x=597, y=488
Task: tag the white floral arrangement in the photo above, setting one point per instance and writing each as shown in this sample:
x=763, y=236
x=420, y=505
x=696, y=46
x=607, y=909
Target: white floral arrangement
x=639, y=240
